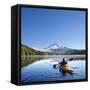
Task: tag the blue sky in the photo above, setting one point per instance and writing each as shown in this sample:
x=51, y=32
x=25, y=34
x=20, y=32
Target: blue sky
x=42, y=27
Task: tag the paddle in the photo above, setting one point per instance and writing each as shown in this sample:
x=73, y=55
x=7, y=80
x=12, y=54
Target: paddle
x=70, y=59
x=55, y=65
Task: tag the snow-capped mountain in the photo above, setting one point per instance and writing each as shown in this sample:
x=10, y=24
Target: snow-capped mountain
x=56, y=49
x=53, y=49
x=53, y=46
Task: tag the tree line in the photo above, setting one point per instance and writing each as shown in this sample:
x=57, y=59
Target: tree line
x=25, y=50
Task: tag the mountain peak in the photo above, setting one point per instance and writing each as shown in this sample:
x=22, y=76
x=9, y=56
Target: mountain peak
x=53, y=46
x=56, y=49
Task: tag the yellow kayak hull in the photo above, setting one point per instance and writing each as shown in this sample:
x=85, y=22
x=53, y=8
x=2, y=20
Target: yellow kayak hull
x=66, y=69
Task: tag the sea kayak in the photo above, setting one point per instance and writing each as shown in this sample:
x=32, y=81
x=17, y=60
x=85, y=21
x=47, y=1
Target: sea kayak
x=66, y=69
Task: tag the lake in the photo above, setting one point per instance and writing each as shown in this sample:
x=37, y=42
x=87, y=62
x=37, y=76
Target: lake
x=42, y=70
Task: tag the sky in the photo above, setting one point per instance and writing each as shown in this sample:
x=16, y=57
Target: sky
x=42, y=27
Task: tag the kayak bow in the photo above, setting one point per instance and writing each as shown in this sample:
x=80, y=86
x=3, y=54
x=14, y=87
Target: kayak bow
x=66, y=69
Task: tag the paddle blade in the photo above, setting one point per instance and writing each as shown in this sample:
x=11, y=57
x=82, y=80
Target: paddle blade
x=70, y=59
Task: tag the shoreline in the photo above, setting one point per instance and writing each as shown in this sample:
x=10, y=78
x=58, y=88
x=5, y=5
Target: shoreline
x=55, y=56
x=25, y=60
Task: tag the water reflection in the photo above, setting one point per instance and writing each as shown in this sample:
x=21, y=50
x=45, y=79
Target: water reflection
x=41, y=69
x=29, y=60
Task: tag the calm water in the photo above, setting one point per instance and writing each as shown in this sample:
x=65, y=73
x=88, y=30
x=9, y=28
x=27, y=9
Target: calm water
x=43, y=70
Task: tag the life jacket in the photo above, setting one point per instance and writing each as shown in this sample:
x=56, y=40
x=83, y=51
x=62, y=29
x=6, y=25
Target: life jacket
x=63, y=65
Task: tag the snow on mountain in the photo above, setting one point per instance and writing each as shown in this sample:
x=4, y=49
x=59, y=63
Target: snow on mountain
x=56, y=49
x=53, y=46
